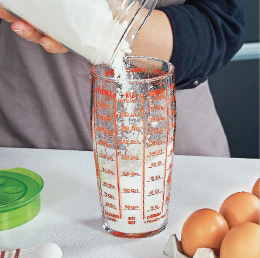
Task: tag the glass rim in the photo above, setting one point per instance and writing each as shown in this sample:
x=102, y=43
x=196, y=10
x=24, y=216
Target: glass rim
x=159, y=77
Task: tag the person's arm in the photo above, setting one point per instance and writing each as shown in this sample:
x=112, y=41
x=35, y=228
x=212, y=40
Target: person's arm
x=155, y=37
x=198, y=37
x=207, y=34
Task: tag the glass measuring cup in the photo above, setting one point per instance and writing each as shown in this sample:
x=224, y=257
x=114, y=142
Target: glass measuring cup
x=93, y=29
x=133, y=130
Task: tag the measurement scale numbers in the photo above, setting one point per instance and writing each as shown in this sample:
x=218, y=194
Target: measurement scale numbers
x=104, y=126
x=159, y=153
x=130, y=136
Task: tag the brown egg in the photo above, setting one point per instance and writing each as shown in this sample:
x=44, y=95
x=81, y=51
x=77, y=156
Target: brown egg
x=239, y=208
x=204, y=228
x=256, y=189
x=241, y=241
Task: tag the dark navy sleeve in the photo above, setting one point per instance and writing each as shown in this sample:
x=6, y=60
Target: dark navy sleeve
x=207, y=34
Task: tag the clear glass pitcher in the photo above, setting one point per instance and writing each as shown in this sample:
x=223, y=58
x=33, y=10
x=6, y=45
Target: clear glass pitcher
x=94, y=29
x=133, y=130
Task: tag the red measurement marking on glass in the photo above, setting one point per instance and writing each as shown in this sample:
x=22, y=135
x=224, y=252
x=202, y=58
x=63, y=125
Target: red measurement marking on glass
x=110, y=186
x=154, y=215
x=110, y=196
x=139, y=110
x=169, y=179
x=107, y=118
x=144, y=155
x=101, y=91
x=95, y=109
x=154, y=208
x=107, y=171
x=157, y=118
x=157, y=107
x=158, y=84
x=173, y=112
x=156, y=164
x=102, y=111
x=112, y=219
x=129, y=157
x=167, y=199
x=157, y=130
x=126, y=114
x=95, y=155
x=158, y=98
x=171, y=152
x=126, y=141
x=149, y=114
x=117, y=169
x=105, y=156
x=157, y=92
x=112, y=215
x=109, y=73
x=170, y=166
x=97, y=90
x=136, y=70
x=154, y=178
x=131, y=220
x=128, y=101
x=173, y=125
x=131, y=174
x=156, y=143
x=103, y=105
x=156, y=153
x=172, y=99
x=110, y=97
x=128, y=190
x=171, y=139
x=154, y=192
x=130, y=128
x=105, y=130
x=154, y=220
x=95, y=81
x=135, y=128
x=159, y=72
x=129, y=95
x=172, y=86
x=105, y=144
x=110, y=205
x=167, y=140
x=131, y=207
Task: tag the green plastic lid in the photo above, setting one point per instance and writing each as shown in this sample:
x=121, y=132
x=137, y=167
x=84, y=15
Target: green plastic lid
x=19, y=196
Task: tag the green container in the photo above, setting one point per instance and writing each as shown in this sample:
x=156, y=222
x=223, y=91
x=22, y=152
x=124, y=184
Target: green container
x=19, y=196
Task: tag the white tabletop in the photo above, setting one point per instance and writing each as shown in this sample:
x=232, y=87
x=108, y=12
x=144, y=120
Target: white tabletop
x=70, y=214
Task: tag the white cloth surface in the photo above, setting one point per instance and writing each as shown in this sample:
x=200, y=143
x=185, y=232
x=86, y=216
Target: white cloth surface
x=70, y=214
x=47, y=250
